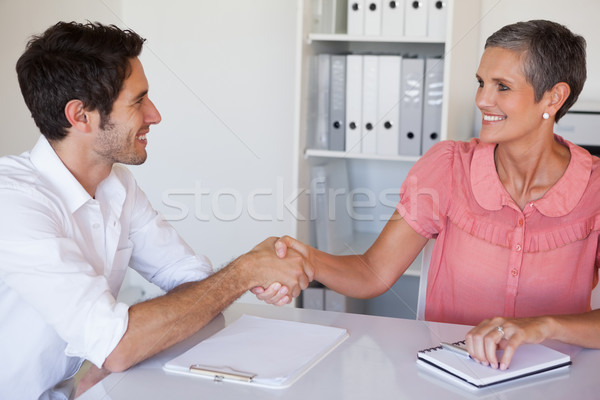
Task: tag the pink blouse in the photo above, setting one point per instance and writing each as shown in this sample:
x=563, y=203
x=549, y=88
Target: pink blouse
x=492, y=259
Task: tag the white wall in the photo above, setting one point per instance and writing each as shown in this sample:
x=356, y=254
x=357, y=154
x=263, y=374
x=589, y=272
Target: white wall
x=223, y=74
x=222, y=164
x=18, y=21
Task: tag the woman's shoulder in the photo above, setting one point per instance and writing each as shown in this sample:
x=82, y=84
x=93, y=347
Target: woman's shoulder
x=456, y=147
x=452, y=148
x=456, y=154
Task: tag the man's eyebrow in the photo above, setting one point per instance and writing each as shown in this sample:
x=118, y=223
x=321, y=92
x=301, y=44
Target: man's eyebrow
x=141, y=95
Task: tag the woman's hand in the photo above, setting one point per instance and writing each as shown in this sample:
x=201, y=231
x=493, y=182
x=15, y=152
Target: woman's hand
x=276, y=293
x=505, y=334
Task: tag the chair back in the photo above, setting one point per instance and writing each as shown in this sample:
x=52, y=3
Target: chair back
x=425, y=260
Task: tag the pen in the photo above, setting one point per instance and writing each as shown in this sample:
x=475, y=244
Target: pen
x=220, y=375
x=456, y=349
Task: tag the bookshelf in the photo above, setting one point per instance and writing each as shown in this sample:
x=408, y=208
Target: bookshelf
x=374, y=174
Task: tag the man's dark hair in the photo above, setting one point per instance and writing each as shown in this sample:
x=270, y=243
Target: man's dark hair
x=551, y=54
x=70, y=60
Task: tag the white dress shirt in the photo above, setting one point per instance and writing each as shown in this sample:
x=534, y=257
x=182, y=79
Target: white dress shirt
x=63, y=257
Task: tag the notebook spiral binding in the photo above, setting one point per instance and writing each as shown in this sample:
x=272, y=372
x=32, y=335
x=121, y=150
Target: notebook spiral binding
x=436, y=348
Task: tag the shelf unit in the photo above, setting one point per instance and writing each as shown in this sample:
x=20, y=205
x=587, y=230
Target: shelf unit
x=338, y=37
x=377, y=172
x=315, y=153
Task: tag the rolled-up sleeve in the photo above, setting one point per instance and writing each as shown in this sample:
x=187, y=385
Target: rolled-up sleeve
x=48, y=270
x=159, y=253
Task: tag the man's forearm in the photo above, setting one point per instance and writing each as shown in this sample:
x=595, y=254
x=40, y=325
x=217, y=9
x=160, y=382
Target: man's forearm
x=156, y=324
x=159, y=323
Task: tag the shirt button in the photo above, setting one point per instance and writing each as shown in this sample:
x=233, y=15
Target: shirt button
x=514, y=272
x=520, y=221
x=96, y=225
x=518, y=247
x=531, y=204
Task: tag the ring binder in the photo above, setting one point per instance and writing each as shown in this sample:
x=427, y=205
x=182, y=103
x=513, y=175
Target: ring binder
x=529, y=359
x=440, y=347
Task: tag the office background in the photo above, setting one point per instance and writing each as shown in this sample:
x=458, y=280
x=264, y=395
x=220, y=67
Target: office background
x=223, y=163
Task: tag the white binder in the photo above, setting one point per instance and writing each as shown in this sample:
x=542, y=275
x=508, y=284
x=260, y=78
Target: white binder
x=356, y=17
x=373, y=17
x=388, y=110
x=333, y=222
x=337, y=103
x=319, y=206
x=329, y=16
x=415, y=18
x=369, y=105
x=432, y=102
x=354, y=64
x=392, y=18
x=437, y=16
x=321, y=135
x=411, y=106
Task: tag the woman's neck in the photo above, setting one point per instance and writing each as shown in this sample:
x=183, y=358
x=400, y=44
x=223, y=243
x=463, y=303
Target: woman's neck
x=529, y=170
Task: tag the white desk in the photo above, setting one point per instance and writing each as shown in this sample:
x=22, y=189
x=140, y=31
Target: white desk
x=377, y=361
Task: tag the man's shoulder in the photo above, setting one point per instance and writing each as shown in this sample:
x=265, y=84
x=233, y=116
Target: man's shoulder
x=17, y=171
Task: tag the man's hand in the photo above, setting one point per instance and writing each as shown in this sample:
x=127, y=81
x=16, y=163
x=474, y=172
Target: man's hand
x=276, y=293
x=282, y=277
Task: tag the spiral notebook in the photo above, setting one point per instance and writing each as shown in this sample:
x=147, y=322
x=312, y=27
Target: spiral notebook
x=259, y=351
x=529, y=359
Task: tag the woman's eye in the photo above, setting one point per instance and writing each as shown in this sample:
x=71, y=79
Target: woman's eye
x=480, y=83
x=502, y=87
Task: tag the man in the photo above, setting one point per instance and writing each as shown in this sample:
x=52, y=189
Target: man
x=73, y=219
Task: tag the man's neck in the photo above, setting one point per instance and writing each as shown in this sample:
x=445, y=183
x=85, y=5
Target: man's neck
x=86, y=168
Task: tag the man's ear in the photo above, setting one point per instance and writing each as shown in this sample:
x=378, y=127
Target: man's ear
x=78, y=116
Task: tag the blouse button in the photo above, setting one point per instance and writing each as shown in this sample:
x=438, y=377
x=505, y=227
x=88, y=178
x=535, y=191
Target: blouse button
x=531, y=204
x=520, y=221
x=518, y=247
x=514, y=272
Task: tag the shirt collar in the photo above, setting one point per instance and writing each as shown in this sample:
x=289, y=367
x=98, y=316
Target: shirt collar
x=52, y=169
x=559, y=200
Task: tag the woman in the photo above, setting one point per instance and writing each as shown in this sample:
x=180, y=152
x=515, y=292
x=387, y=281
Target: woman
x=514, y=213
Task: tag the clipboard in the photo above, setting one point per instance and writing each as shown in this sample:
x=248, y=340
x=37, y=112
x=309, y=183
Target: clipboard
x=259, y=351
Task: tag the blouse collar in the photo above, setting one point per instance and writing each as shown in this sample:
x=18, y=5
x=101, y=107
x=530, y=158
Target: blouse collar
x=558, y=201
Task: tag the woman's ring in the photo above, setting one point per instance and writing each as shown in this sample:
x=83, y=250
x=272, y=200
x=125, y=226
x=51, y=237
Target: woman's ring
x=501, y=330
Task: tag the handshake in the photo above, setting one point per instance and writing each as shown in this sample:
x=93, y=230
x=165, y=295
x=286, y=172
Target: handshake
x=284, y=268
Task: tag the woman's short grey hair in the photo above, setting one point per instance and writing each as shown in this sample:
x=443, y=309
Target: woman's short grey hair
x=551, y=53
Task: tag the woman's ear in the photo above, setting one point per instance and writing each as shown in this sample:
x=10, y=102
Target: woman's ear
x=557, y=97
x=77, y=116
